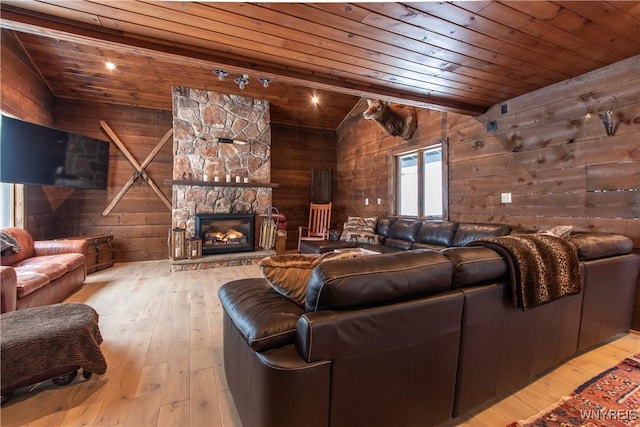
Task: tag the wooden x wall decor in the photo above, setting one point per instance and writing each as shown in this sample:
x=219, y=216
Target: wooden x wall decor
x=139, y=168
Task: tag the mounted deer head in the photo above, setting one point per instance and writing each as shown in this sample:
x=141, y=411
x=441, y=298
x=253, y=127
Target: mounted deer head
x=396, y=120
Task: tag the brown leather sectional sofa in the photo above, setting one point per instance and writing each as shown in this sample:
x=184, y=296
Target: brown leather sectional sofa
x=411, y=337
x=401, y=234
x=42, y=272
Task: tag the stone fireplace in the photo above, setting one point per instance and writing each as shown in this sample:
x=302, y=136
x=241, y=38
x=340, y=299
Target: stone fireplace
x=211, y=174
x=225, y=233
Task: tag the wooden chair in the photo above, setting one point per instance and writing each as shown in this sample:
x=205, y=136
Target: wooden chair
x=319, y=223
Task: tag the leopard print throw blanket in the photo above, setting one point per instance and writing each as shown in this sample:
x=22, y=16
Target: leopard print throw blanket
x=543, y=268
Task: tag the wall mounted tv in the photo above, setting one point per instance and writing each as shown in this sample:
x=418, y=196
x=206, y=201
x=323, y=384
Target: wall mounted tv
x=40, y=155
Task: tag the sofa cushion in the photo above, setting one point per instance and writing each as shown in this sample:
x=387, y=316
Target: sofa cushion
x=70, y=260
x=52, y=269
x=263, y=317
x=384, y=225
x=560, y=231
x=404, y=229
x=468, y=232
x=288, y=274
x=397, y=244
x=30, y=281
x=358, y=229
x=418, y=245
x=475, y=265
x=602, y=245
x=377, y=279
x=437, y=232
x=381, y=249
x=25, y=242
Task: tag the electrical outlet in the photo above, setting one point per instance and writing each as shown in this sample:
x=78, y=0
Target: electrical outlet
x=505, y=197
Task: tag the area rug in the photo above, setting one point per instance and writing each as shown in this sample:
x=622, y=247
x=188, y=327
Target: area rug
x=610, y=399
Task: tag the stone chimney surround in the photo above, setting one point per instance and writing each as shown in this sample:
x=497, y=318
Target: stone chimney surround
x=201, y=117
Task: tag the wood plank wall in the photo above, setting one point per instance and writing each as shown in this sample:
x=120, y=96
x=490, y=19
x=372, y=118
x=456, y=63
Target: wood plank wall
x=554, y=159
x=365, y=161
x=139, y=222
x=24, y=94
x=295, y=150
x=552, y=154
x=26, y=97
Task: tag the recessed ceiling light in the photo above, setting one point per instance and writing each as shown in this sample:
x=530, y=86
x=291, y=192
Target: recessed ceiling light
x=315, y=99
x=110, y=65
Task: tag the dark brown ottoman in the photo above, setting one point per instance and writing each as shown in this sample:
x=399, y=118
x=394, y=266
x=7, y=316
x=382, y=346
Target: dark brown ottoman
x=49, y=342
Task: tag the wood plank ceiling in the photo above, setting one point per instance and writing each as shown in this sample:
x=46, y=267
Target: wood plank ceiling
x=455, y=56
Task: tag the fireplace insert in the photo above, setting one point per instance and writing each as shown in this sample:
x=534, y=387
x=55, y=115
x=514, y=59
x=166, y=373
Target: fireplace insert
x=225, y=233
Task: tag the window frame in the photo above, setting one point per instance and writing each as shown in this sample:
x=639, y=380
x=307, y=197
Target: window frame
x=395, y=178
x=12, y=197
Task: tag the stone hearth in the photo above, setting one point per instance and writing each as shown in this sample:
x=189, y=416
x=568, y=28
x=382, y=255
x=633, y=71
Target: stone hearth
x=220, y=260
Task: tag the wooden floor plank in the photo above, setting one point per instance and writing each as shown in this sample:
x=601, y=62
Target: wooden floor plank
x=203, y=399
x=162, y=335
x=174, y=415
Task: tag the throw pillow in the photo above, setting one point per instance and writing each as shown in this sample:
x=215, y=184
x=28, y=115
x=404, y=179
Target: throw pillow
x=560, y=231
x=288, y=274
x=8, y=245
x=360, y=230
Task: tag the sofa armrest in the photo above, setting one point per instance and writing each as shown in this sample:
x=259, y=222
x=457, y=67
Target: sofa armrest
x=54, y=247
x=264, y=318
x=8, y=289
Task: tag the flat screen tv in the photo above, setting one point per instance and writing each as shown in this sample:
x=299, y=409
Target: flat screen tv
x=40, y=155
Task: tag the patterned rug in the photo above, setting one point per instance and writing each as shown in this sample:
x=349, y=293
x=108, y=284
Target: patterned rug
x=610, y=399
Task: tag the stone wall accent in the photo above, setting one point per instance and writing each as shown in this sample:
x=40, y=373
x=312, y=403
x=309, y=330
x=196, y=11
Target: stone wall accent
x=199, y=118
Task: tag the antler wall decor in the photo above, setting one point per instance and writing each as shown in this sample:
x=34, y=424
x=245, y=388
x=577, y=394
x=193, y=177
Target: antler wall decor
x=607, y=121
x=139, y=168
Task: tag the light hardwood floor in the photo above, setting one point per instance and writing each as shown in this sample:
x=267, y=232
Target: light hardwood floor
x=163, y=344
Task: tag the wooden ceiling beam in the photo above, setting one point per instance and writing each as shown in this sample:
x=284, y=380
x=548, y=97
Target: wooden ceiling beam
x=43, y=25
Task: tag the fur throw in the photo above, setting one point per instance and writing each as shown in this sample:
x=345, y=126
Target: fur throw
x=543, y=268
x=8, y=245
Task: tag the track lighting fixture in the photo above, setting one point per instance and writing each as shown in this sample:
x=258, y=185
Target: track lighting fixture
x=220, y=73
x=265, y=81
x=242, y=81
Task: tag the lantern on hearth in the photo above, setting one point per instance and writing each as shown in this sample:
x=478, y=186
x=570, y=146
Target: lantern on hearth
x=177, y=243
x=194, y=247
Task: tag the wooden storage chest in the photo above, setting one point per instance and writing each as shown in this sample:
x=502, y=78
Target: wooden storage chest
x=99, y=251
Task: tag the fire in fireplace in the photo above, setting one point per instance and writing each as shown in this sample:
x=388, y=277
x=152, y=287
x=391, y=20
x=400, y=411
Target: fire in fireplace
x=225, y=233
